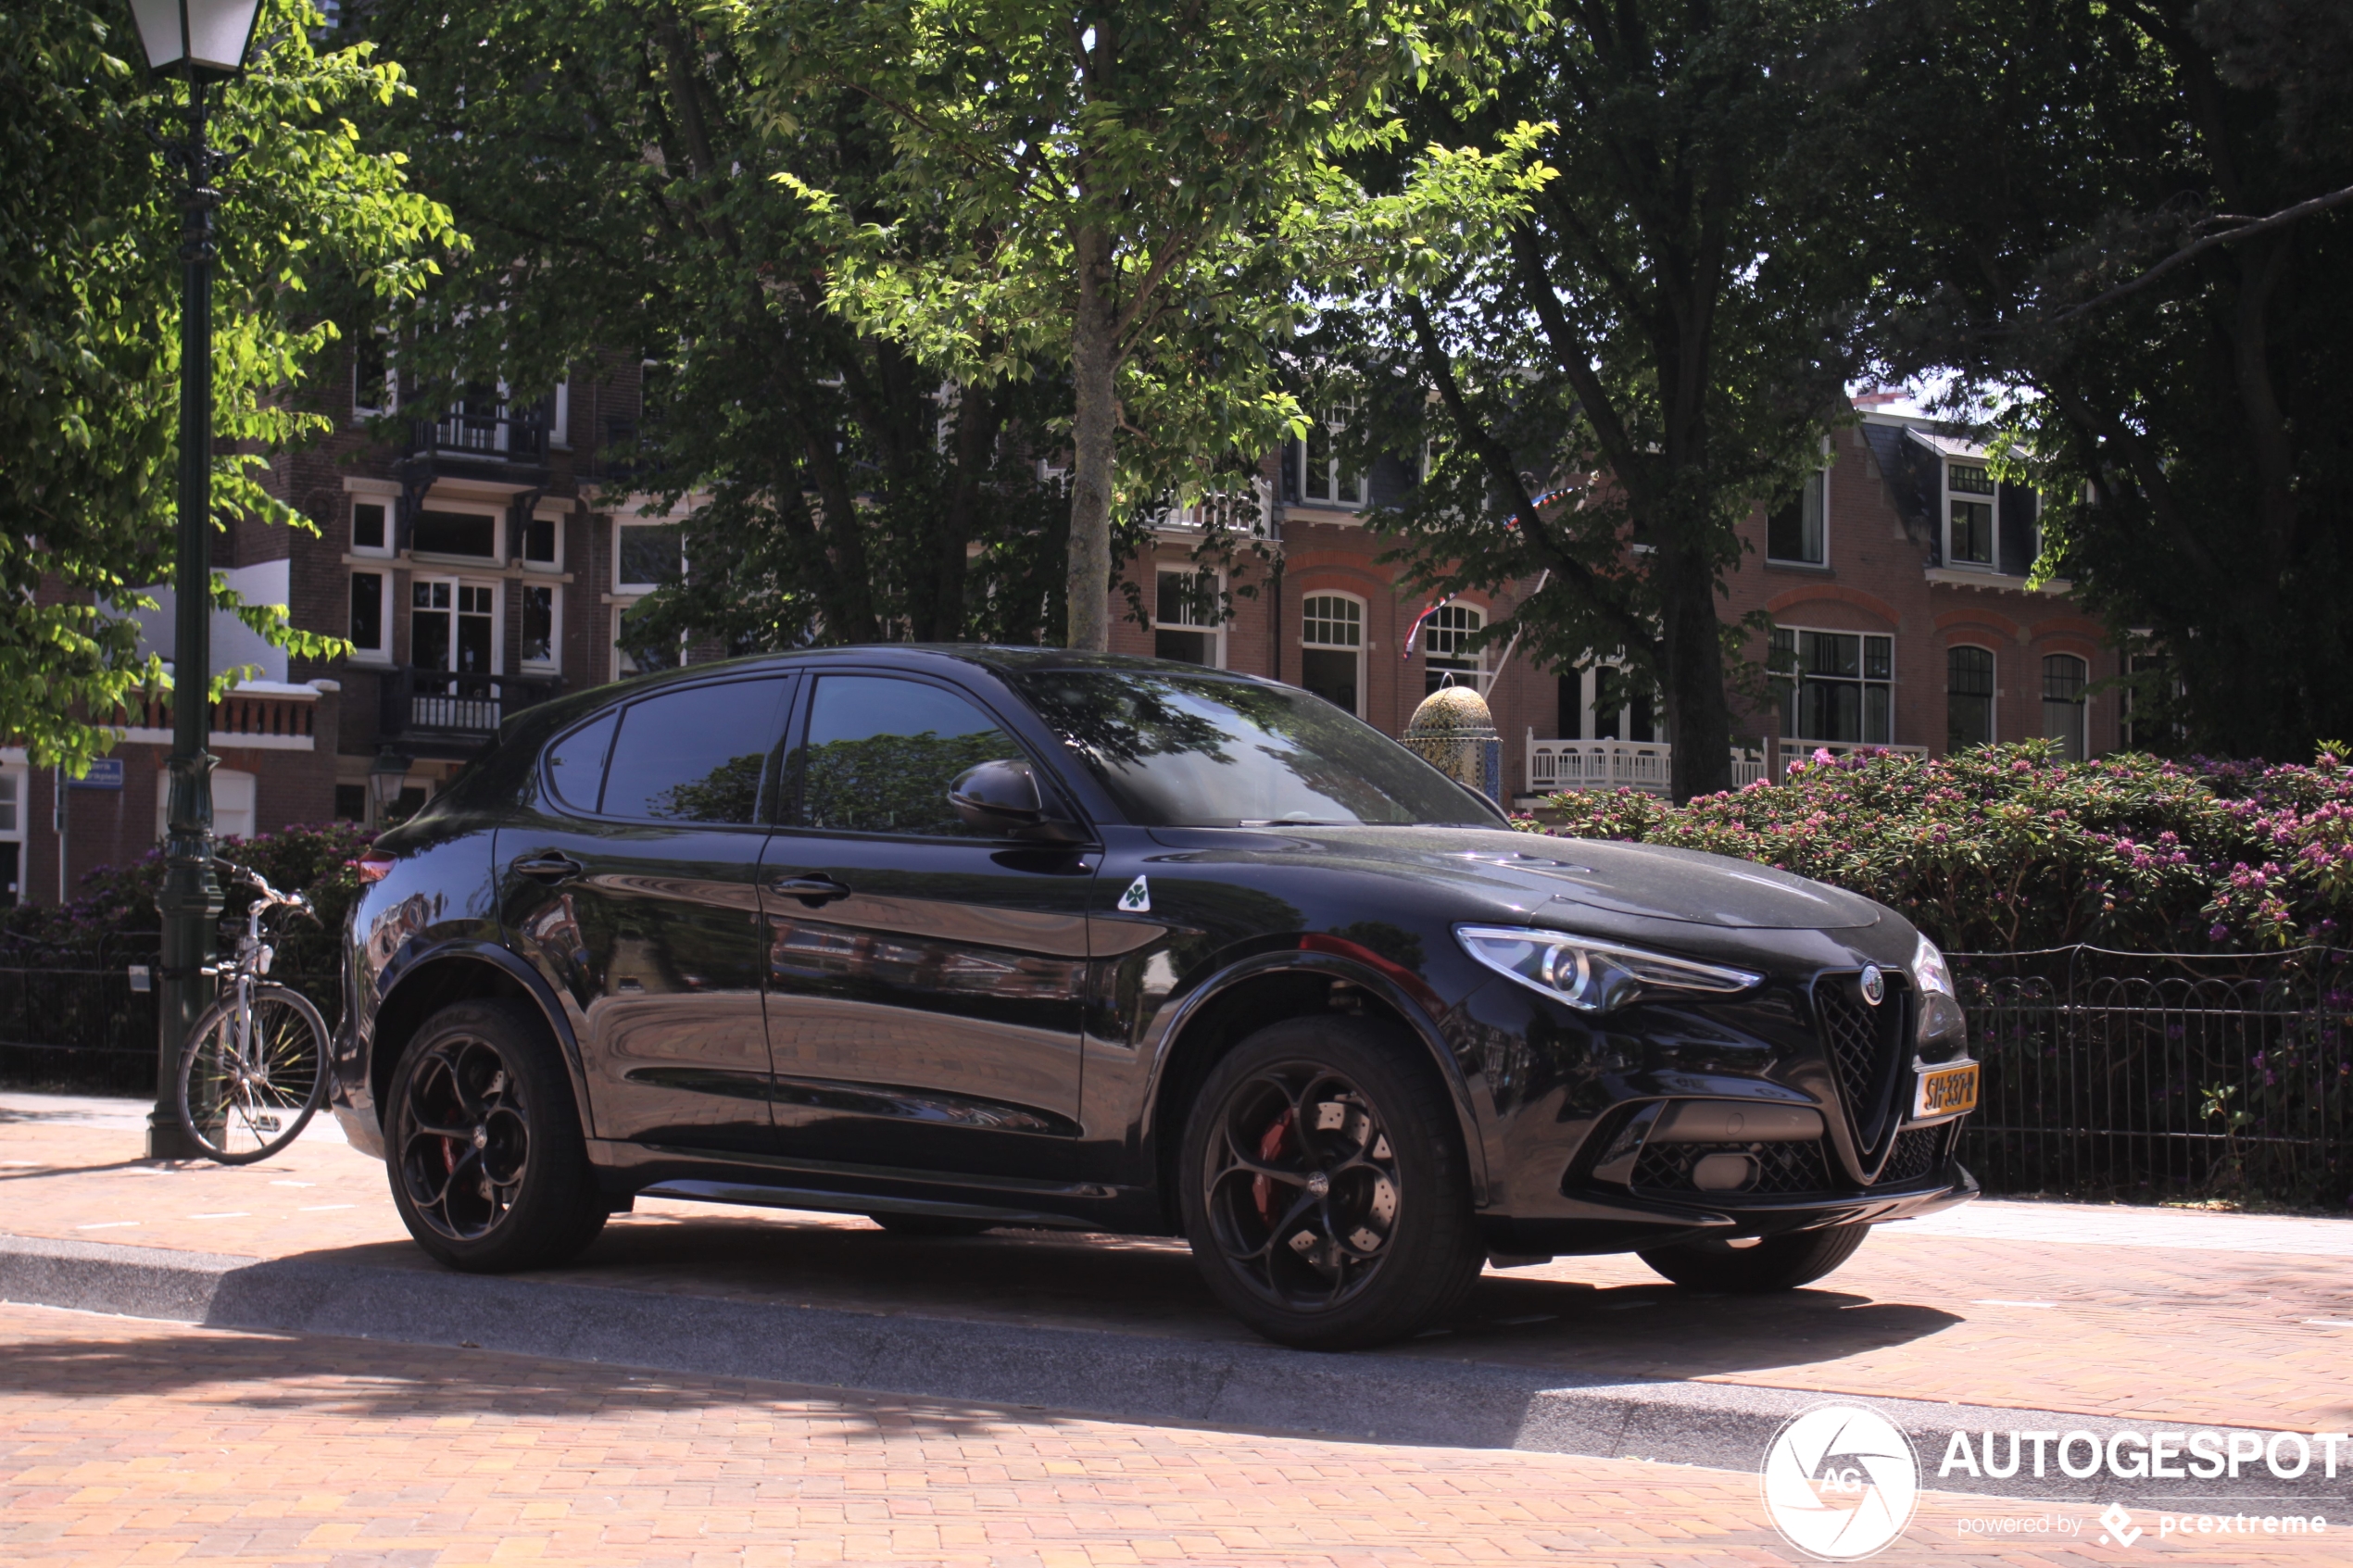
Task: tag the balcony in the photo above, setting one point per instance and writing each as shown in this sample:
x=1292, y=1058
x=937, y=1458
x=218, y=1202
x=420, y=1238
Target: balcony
x=483, y=435
x=1556, y=766
x=436, y=713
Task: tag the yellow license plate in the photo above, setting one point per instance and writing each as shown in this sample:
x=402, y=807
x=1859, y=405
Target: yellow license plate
x=1945, y=1091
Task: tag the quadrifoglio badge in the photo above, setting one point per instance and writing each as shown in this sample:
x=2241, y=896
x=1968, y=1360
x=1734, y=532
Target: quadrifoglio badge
x=1841, y=1482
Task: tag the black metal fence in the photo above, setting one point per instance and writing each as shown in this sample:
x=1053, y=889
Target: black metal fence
x=84, y=1018
x=2107, y=1074
x=2159, y=1075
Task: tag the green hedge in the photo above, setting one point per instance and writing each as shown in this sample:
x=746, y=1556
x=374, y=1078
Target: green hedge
x=2003, y=847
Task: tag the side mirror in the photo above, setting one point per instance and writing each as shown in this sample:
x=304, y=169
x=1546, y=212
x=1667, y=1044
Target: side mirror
x=1002, y=798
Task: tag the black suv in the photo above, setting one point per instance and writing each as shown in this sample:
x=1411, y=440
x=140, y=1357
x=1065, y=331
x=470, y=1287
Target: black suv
x=974, y=936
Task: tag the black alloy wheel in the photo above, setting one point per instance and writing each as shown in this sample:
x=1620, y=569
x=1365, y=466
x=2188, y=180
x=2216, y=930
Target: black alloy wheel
x=488, y=1168
x=1324, y=1187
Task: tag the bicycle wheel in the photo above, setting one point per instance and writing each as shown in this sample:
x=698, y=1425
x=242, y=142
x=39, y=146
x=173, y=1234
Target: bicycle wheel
x=247, y=1093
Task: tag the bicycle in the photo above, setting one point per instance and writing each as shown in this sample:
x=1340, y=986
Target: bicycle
x=254, y=1069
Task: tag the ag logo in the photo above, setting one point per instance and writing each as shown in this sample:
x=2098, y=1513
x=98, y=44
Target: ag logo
x=1841, y=1483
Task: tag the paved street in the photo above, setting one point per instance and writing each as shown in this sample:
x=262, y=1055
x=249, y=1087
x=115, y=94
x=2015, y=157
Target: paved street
x=125, y=1440
x=128, y=1442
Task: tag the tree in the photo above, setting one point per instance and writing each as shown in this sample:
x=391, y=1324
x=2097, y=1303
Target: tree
x=612, y=166
x=1102, y=188
x=1653, y=347
x=2075, y=229
x=89, y=312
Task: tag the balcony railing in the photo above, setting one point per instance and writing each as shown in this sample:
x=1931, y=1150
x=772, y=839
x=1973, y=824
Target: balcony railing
x=489, y=429
x=1555, y=766
x=435, y=708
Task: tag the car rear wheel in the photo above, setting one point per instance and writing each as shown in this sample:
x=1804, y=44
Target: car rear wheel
x=1324, y=1187
x=1777, y=1262
x=488, y=1168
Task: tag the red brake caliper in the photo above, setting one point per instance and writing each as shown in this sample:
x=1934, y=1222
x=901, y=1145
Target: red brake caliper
x=1270, y=1145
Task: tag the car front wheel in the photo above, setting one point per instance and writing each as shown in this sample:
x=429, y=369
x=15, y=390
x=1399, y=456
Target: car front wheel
x=488, y=1168
x=1777, y=1262
x=1324, y=1187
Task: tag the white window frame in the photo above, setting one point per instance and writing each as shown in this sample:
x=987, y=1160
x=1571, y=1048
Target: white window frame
x=1993, y=700
x=1819, y=481
x=390, y=402
x=392, y=523
x=1334, y=421
x=384, y=606
x=1991, y=500
x=1861, y=679
x=1434, y=627
x=556, y=516
x=2081, y=702
x=1216, y=592
x=554, y=661
x=639, y=590
x=13, y=830
x=466, y=507
x=227, y=783
x=1363, y=617
x=560, y=417
x=456, y=582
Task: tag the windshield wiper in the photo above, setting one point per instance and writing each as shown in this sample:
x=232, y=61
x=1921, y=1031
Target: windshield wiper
x=1293, y=823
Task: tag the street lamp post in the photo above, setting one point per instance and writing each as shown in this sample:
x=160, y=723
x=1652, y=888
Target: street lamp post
x=203, y=42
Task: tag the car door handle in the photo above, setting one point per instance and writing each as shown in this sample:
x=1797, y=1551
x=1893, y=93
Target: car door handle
x=549, y=867
x=810, y=890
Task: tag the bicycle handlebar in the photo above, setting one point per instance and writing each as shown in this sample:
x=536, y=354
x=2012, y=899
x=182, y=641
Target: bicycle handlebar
x=270, y=898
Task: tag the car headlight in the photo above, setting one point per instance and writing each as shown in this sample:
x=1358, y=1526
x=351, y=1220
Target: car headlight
x=1929, y=972
x=1594, y=976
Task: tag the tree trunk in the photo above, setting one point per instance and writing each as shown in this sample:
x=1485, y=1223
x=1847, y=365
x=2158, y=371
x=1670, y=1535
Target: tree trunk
x=1696, y=708
x=1094, y=357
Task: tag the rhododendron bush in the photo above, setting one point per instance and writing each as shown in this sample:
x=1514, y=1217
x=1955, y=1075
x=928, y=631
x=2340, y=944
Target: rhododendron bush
x=2003, y=847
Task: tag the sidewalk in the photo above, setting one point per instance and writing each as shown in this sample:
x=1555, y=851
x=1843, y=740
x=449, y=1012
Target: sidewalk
x=2133, y=1314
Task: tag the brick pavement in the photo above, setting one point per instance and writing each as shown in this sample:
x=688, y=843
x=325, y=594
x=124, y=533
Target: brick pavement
x=126, y=1442
x=2200, y=1332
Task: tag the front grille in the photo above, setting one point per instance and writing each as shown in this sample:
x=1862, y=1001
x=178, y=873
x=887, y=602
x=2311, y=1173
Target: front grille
x=1781, y=1168
x=1864, y=1043
x=1918, y=1151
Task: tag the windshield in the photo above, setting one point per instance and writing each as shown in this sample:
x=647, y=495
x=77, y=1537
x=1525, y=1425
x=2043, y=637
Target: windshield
x=1196, y=751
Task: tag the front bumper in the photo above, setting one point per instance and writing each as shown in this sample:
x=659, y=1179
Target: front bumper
x=1610, y=1224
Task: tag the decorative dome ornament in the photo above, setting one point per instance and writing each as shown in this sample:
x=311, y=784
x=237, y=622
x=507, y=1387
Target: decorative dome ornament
x=1453, y=732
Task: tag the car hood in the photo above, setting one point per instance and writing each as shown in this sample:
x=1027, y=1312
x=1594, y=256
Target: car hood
x=1645, y=881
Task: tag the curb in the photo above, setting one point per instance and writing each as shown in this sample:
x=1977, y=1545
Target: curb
x=1361, y=1397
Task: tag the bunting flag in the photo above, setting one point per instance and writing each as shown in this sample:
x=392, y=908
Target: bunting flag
x=1433, y=608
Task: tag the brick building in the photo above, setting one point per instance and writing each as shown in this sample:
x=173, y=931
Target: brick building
x=482, y=559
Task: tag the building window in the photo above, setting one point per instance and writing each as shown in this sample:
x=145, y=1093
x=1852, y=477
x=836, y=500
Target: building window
x=12, y=805
x=473, y=536
x=1969, y=505
x=1316, y=475
x=371, y=603
x=1834, y=685
x=371, y=529
x=542, y=625
x=2064, y=678
x=542, y=542
x=1187, y=614
x=373, y=391
x=453, y=625
x=1624, y=708
x=1447, y=657
x=234, y=814
x=648, y=554
x=1968, y=698
x=1331, y=641
x=1798, y=532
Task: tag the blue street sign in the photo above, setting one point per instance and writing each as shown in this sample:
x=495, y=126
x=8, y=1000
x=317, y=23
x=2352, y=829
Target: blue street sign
x=105, y=773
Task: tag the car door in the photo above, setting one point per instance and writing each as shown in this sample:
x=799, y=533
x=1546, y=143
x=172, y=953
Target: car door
x=925, y=981
x=633, y=886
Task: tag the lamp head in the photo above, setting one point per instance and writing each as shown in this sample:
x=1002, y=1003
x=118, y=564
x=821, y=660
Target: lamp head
x=202, y=40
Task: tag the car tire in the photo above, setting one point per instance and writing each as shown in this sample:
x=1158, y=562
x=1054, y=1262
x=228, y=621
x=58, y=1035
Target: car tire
x=488, y=1168
x=1388, y=1243
x=928, y=1224
x=1778, y=1262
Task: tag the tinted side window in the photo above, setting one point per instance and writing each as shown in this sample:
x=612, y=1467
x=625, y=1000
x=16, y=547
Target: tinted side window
x=882, y=752
x=576, y=762
x=696, y=755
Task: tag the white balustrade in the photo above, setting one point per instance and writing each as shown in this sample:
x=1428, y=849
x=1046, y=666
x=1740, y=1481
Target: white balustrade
x=1555, y=766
